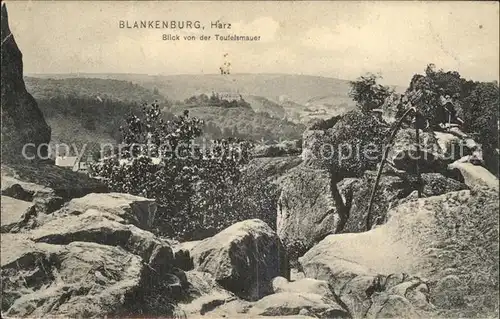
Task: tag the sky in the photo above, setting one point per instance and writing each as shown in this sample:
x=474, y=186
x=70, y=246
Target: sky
x=333, y=39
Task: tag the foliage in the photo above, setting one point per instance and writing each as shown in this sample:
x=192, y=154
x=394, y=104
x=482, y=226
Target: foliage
x=215, y=100
x=353, y=145
x=476, y=103
x=93, y=114
x=196, y=186
x=480, y=109
x=243, y=123
x=106, y=89
x=436, y=85
x=322, y=124
x=367, y=93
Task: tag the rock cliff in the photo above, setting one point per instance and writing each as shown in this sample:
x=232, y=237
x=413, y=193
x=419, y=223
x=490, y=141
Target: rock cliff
x=22, y=120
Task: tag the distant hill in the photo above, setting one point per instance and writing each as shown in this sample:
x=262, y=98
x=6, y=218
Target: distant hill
x=99, y=89
x=302, y=97
x=244, y=123
x=299, y=88
x=90, y=111
x=87, y=110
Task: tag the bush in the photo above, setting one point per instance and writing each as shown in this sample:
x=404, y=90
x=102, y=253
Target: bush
x=367, y=93
x=159, y=159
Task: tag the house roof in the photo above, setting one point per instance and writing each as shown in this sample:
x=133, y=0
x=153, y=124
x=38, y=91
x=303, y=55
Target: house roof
x=66, y=161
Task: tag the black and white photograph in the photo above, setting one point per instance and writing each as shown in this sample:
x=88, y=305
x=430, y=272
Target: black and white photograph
x=250, y=159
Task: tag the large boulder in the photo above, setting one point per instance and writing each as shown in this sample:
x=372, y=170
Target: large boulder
x=22, y=120
x=135, y=210
x=431, y=238
x=107, y=229
x=243, y=258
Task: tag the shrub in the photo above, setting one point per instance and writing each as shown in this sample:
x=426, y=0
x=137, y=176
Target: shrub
x=191, y=183
x=367, y=93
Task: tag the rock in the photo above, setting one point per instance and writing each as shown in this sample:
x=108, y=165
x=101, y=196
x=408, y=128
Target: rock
x=425, y=237
x=107, y=229
x=77, y=279
x=306, y=210
x=454, y=147
x=354, y=144
x=392, y=190
x=284, y=148
x=311, y=142
x=22, y=120
x=243, y=258
x=476, y=176
x=305, y=285
x=437, y=184
x=15, y=214
x=295, y=274
x=415, y=290
x=47, y=186
x=449, y=292
x=403, y=152
x=392, y=306
x=135, y=210
x=182, y=254
x=291, y=304
x=204, y=295
x=94, y=263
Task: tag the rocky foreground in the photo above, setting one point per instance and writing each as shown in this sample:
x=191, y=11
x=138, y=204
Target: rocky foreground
x=90, y=253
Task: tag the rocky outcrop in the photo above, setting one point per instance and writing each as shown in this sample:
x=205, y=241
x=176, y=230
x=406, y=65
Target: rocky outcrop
x=307, y=212
x=92, y=264
x=476, y=176
x=403, y=153
x=42, y=187
x=47, y=186
x=134, y=210
x=391, y=191
x=22, y=120
x=352, y=145
x=297, y=303
x=243, y=258
x=431, y=238
x=311, y=142
x=455, y=147
x=284, y=148
x=16, y=214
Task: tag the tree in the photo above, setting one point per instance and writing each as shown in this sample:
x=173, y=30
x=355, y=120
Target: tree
x=158, y=159
x=480, y=112
x=367, y=93
x=437, y=84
